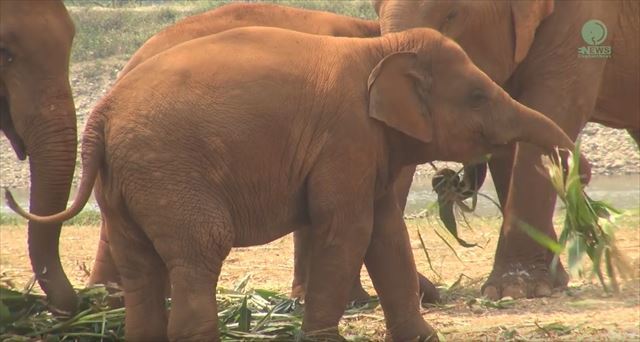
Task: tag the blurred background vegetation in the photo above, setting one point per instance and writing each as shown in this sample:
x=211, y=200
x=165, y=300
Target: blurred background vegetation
x=117, y=28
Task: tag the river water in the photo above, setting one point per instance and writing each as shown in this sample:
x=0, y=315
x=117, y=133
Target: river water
x=623, y=192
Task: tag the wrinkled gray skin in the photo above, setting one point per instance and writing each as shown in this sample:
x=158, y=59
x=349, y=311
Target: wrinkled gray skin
x=531, y=49
x=37, y=115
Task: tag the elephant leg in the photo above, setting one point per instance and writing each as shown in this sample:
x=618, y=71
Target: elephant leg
x=194, y=259
x=104, y=270
x=428, y=291
x=341, y=213
x=390, y=263
x=301, y=258
x=335, y=262
x=402, y=186
x=143, y=276
x=358, y=293
x=302, y=255
x=501, y=168
x=194, y=311
x=522, y=267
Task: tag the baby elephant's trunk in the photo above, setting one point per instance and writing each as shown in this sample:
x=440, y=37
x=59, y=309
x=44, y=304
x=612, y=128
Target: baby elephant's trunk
x=530, y=126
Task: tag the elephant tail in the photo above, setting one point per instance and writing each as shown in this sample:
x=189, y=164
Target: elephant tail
x=92, y=159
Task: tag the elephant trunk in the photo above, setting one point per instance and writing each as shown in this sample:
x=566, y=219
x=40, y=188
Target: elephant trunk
x=52, y=155
x=394, y=18
x=528, y=125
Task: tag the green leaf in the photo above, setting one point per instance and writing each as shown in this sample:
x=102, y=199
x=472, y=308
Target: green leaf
x=244, y=322
x=5, y=313
x=541, y=238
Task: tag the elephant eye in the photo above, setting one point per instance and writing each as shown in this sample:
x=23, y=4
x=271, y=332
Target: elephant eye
x=477, y=98
x=452, y=14
x=448, y=19
x=5, y=57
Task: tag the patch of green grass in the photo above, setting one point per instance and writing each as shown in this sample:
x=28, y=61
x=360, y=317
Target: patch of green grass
x=11, y=219
x=102, y=33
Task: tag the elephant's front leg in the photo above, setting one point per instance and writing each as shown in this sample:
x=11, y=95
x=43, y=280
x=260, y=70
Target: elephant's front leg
x=522, y=266
x=341, y=215
x=392, y=269
x=302, y=256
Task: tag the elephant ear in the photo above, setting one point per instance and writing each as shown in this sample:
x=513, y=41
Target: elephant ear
x=376, y=5
x=397, y=96
x=527, y=15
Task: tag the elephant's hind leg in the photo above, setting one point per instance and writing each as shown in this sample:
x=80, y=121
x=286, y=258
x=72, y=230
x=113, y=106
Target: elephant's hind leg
x=143, y=276
x=201, y=237
x=104, y=269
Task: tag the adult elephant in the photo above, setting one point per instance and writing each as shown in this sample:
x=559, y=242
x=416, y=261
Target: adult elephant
x=37, y=115
x=226, y=18
x=551, y=56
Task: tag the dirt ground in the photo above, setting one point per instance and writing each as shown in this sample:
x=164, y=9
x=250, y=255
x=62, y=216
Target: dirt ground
x=582, y=312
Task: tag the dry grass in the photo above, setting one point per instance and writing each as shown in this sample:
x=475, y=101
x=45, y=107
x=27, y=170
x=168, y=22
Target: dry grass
x=583, y=312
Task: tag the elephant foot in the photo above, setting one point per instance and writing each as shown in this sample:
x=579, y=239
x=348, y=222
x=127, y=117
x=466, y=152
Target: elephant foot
x=524, y=281
x=297, y=291
x=428, y=292
x=413, y=330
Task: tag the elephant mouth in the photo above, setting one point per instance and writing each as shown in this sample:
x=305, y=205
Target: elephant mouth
x=6, y=125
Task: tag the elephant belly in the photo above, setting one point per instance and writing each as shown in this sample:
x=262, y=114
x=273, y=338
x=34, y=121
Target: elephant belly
x=618, y=103
x=262, y=223
x=263, y=234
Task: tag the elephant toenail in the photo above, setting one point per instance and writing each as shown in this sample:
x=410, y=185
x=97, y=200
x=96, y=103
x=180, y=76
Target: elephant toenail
x=491, y=292
x=514, y=292
x=543, y=290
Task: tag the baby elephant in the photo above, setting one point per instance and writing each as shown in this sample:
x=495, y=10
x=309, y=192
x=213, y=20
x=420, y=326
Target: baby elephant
x=239, y=138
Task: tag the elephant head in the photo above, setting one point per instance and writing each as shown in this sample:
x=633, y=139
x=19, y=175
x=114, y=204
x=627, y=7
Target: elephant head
x=453, y=110
x=496, y=35
x=37, y=115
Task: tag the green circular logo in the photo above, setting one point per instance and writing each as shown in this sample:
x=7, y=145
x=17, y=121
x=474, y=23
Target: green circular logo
x=594, y=32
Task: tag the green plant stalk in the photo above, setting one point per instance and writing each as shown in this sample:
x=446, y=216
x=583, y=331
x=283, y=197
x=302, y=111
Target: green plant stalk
x=582, y=232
